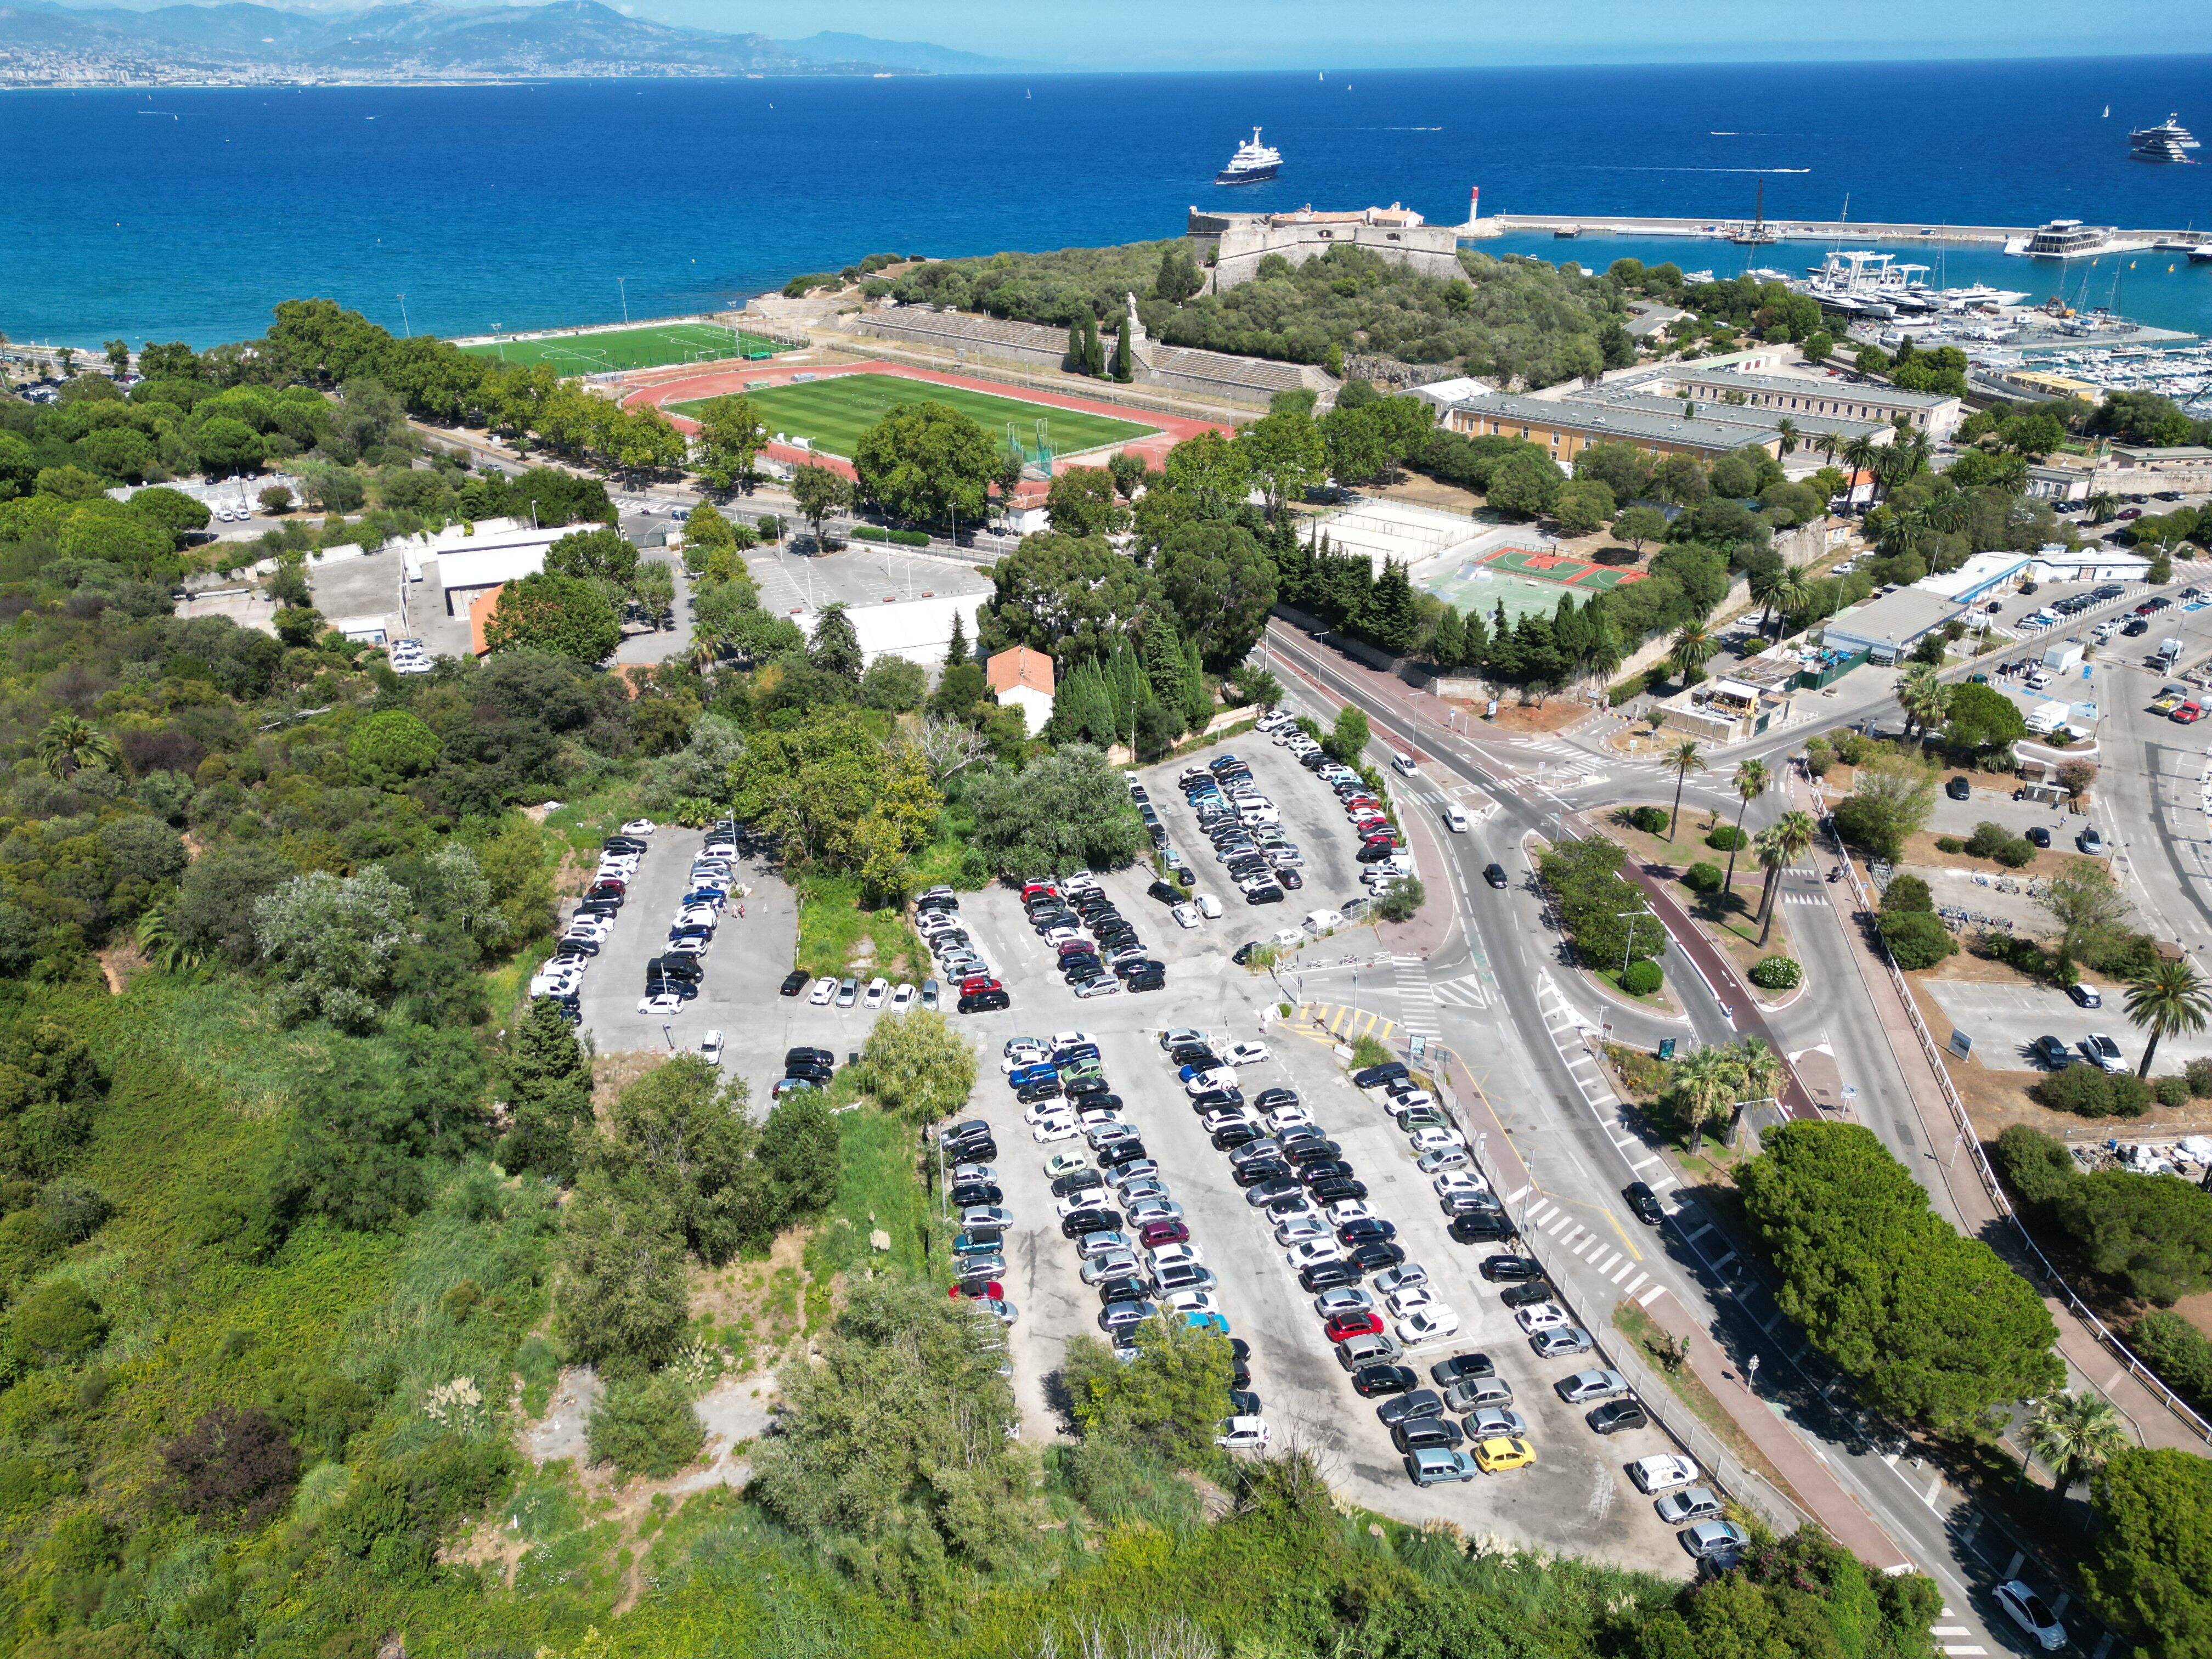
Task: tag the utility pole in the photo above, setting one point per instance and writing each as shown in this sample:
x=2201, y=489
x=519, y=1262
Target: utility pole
x=1628, y=943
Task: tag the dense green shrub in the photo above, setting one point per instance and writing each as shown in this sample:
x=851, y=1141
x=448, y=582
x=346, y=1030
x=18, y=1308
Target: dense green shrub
x=1651, y=820
x=1776, y=973
x=2198, y=1073
x=2171, y=1092
x=646, y=1426
x=2091, y=1091
x=869, y=532
x=1950, y=844
x=2177, y=1351
x=2035, y=1166
x=1994, y=841
x=1627, y=690
x=1703, y=877
x=1917, y=939
x=1643, y=978
x=1906, y=895
x=1727, y=838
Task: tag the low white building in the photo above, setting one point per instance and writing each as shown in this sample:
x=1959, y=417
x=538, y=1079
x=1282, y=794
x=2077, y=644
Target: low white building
x=2056, y=563
x=920, y=630
x=467, y=564
x=1023, y=679
x=1980, y=576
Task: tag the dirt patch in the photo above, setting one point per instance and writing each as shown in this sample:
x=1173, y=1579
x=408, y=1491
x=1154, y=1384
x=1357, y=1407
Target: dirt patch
x=614, y=1072
x=1427, y=492
x=561, y=1432
x=1553, y=714
x=735, y=1412
x=118, y=965
x=756, y=1307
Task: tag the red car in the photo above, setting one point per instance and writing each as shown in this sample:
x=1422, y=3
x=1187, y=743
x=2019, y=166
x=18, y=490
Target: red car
x=992, y=1291
x=1343, y=1327
x=1153, y=1234
x=1039, y=889
x=2188, y=715
x=981, y=982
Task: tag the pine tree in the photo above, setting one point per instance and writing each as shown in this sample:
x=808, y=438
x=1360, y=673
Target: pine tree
x=1451, y=639
x=956, y=653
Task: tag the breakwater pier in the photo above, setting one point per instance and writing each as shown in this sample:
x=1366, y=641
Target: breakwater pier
x=1781, y=230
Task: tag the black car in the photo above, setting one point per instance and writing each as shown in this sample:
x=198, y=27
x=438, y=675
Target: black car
x=1460, y=1368
x=1243, y=1402
x=1196, y=1054
x=1259, y=1170
x=1338, y=1189
x=1122, y=1153
x=622, y=844
x=975, y=1192
x=1318, y=1166
x=1494, y=874
x=2052, y=1053
x=1370, y=1381
x=1274, y=1191
x=1137, y=967
x=1510, y=1269
x=1365, y=1229
x=810, y=1056
x=691, y=967
x=1417, y=1433
x=1269, y=1099
x=1374, y=852
x=1082, y=1181
x=1374, y=1077
x=1374, y=1258
x=1291, y=878
x=1268, y=894
x=1309, y=1148
x=1420, y=1402
x=1163, y=893
x=2135, y=628
x=1122, y=1289
x=1327, y=1276
x=1078, y=1087
x=1522, y=1296
x=1959, y=789
x=569, y=948
x=1244, y=952
x=1152, y=979
x=1032, y=1093
x=1083, y=1222
x=1617, y=1414
x=1480, y=1227
x=656, y=986
x=978, y=1002
x=1231, y=1136
x=1645, y=1203
x=1223, y=1098
x=2038, y=836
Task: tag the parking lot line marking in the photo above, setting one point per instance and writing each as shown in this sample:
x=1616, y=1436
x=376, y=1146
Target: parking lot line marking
x=1649, y=1296
x=1513, y=1197
x=1647, y=1164
x=1629, y=1288
x=1721, y=1264
x=1949, y=1630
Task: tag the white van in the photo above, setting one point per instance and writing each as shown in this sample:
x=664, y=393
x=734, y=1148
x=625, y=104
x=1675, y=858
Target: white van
x=1404, y=764
x=1319, y=921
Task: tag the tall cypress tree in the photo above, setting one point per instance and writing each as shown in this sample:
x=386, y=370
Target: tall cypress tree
x=1094, y=353
x=1075, y=352
x=1475, y=643
x=1125, y=368
x=955, y=651
x=1451, y=639
x=1197, y=701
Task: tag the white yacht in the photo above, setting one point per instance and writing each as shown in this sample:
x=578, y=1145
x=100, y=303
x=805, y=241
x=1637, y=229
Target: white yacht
x=1253, y=163
x=2069, y=239
x=2169, y=141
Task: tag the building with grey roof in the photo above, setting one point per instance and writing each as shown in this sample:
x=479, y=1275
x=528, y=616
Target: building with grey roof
x=1566, y=427
x=1886, y=628
x=1936, y=413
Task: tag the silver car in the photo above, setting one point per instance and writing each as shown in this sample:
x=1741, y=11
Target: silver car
x=1679, y=1509
x=1495, y=1422
x=1477, y=1393
x=1711, y=1538
x=1564, y=1339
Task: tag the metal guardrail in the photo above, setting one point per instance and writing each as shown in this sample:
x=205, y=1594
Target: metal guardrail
x=1971, y=1138
x=1660, y=1402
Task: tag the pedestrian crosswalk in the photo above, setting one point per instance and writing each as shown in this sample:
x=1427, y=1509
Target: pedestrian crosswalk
x=1417, y=997
x=1803, y=898
x=1962, y=1650
x=1466, y=991
x=1556, y=765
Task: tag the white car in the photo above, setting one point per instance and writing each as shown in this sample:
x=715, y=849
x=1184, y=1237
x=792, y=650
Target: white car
x=699, y=916
x=1071, y=1039
x=1348, y=1209
x=640, y=827
x=1299, y=1229
x=1022, y=1053
x=587, y=925
x=1177, y=1256
x=1409, y=1299
x=1428, y=1325
x=1037, y=1111
x=902, y=999
x=1186, y=916
x=1088, y=1199
x=1542, y=1317
x=1288, y=1117
x=1246, y=1054
x=1435, y=1140
x=1654, y=1475
x=879, y=989
x=1307, y=1252
x=1242, y=1434
x=1459, y=1181
x=1399, y=1105
x=662, y=1005
x=824, y=990
x=1065, y=1163
x=2027, y=1610
x=555, y=985
x=1455, y=821
x=710, y=1047
x=1208, y=906
x=1192, y=1302
x=1222, y=1077
x=690, y=946
x=1051, y=1129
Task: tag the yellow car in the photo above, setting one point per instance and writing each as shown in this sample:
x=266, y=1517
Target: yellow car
x=2166, y=703
x=1494, y=1456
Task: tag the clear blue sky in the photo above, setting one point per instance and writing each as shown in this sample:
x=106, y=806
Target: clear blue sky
x=1325, y=33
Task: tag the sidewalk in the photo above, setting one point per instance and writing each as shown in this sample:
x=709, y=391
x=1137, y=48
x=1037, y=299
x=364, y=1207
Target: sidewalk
x=2086, y=1357
x=1808, y=1476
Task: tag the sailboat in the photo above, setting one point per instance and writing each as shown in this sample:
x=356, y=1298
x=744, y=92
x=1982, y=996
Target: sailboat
x=2108, y=113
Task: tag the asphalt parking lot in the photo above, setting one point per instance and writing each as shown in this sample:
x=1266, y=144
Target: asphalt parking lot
x=2003, y=1020
x=859, y=574
x=1959, y=817
x=1577, y=1496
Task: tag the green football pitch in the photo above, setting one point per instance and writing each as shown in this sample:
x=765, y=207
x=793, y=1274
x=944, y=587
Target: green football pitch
x=832, y=414
x=651, y=346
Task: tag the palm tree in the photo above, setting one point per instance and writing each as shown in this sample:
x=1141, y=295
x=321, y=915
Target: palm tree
x=1945, y=511
x=1694, y=647
x=1685, y=760
x=1791, y=592
x=1703, y=1083
x=2166, y=1000
x=1923, y=697
x=68, y=743
x=1764, y=582
x=1786, y=431
x=2102, y=504
x=159, y=942
x=2074, y=1434
x=1779, y=847
x=1859, y=456
x=1751, y=781
x=1828, y=443
x=1760, y=1073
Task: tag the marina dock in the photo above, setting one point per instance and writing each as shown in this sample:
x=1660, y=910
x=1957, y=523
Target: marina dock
x=1793, y=230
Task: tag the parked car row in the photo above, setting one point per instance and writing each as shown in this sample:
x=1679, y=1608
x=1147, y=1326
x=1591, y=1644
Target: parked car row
x=1245, y=828
x=674, y=977
x=968, y=1150
x=938, y=920
x=591, y=924
x=1096, y=947
x=1382, y=851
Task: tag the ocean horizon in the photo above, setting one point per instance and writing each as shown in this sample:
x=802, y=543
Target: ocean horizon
x=189, y=213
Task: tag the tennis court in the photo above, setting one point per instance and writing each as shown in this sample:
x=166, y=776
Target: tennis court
x=651, y=345
x=832, y=413
x=1538, y=565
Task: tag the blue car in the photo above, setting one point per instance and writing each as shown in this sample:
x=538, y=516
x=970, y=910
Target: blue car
x=1022, y=1076
x=1075, y=1052
x=713, y=895
x=1208, y=1321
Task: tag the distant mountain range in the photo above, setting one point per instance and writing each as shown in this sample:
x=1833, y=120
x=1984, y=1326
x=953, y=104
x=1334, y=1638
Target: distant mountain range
x=44, y=44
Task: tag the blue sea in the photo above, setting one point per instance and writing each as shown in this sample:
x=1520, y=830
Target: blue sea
x=186, y=215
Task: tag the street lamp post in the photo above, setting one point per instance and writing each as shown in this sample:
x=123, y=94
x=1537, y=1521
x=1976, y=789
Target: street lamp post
x=1628, y=943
